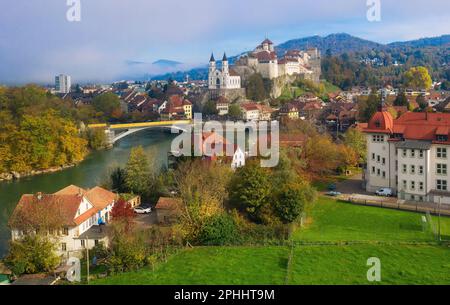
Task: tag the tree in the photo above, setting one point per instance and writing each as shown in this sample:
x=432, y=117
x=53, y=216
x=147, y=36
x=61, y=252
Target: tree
x=107, y=103
x=32, y=254
x=234, y=111
x=255, y=88
x=122, y=211
x=368, y=107
x=422, y=102
x=417, y=78
x=137, y=178
x=202, y=188
x=209, y=108
x=96, y=138
x=251, y=189
x=218, y=230
x=291, y=201
x=118, y=181
x=357, y=141
x=401, y=99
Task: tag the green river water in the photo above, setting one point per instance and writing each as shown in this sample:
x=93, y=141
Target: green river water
x=87, y=174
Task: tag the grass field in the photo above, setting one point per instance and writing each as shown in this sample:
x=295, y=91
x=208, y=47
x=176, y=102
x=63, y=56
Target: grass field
x=337, y=221
x=402, y=262
x=213, y=265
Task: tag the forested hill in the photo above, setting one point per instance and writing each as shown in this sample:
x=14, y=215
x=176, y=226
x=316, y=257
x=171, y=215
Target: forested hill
x=336, y=43
x=411, y=52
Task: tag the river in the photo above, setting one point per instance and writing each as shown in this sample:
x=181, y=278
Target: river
x=87, y=174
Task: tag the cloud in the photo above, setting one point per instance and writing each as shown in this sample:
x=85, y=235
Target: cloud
x=37, y=42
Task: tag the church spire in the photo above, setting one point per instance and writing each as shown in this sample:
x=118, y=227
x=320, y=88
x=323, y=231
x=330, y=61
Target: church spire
x=212, y=58
x=224, y=57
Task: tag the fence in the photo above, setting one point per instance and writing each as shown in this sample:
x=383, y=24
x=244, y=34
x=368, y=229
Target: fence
x=421, y=207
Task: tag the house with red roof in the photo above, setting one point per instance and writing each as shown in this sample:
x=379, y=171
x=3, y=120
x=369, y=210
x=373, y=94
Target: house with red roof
x=409, y=155
x=78, y=214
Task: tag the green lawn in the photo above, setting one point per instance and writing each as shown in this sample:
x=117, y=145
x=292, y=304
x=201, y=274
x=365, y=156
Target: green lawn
x=337, y=221
x=213, y=265
x=400, y=264
x=332, y=221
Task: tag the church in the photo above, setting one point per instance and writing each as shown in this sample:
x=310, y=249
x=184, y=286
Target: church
x=223, y=78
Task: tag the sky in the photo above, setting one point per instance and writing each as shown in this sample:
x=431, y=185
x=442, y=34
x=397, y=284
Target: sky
x=37, y=41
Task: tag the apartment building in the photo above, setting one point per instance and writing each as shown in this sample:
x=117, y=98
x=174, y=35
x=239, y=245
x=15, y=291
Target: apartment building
x=410, y=155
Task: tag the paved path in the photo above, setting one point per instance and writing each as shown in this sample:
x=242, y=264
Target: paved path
x=352, y=191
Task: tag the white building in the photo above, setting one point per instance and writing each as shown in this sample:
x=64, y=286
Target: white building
x=63, y=83
x=238, y=159
x=224, y=78
x=81, y=212
x=410, y=155
x=250, y=112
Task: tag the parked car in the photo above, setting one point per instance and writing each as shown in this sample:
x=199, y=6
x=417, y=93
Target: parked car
x=384, y=191
x=332, y=187
x=142, y=210
x=334, y=193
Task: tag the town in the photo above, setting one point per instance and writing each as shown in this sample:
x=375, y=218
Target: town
x=321, y=160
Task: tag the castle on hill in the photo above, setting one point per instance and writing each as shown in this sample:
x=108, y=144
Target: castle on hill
x=264, y=60
x=226, y=80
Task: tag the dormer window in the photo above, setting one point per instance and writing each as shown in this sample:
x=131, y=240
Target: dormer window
x=441, y=138
x=377, y=124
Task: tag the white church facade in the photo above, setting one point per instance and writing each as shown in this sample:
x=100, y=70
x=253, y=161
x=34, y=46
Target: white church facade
x=223, y=78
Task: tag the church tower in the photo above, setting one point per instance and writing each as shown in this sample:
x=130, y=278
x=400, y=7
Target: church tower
x=225, y=71
x=212, y=71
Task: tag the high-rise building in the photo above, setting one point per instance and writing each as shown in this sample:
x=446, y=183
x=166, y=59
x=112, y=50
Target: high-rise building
x=63, y=83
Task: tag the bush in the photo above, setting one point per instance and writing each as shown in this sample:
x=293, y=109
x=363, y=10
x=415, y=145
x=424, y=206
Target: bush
x=32, y=254
x=219, y=229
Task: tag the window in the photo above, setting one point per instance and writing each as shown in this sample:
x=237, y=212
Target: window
x=413, y=153
x=384, y=175
x=404, y=153
x=83, y=243
x=441, y=185
x=66, y=231
x=378, y=172
x=413, y=185
x=378, y=158
x=396, y=165
x=373, y=156
x=373, y=169
x=413, y=169
x=441, y=138
x=420, y=170
x=404, y=168
x=96, y=242
x=378, y=138
x=405, y=184
x=384, y=161
x=421, y=186
x=441, y=169
x=421, y=153
x=441, y=153
x=63, y=247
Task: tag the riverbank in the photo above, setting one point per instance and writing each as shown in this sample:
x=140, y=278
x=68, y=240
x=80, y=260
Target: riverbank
x=16, y=175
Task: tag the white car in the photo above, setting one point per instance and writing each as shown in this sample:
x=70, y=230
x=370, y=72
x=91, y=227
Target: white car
x=141, y=210
x=385, y=191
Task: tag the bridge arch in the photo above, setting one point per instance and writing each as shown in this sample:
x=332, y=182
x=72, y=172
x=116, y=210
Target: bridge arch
x=116, y=137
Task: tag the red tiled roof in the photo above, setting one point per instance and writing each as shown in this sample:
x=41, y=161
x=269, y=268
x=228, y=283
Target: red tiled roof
x=265, y=56
x=100, y=198
x=68, y=205
x=166, y=203
x=414, y=125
